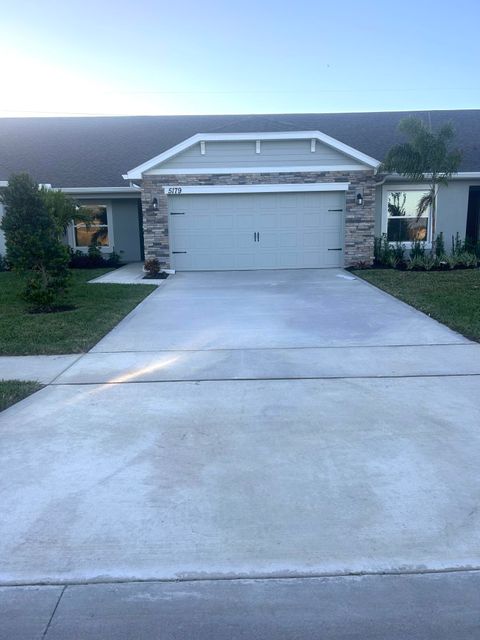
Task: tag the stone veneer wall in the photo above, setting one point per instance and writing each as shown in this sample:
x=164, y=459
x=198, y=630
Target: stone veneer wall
x=359, y=221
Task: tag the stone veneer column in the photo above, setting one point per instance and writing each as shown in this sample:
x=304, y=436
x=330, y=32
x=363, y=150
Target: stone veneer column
x=359, y=222
x=155, y=223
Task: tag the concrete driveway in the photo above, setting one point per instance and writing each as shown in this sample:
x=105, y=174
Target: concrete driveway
x=288, y=423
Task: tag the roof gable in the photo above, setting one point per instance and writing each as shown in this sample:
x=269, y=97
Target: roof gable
x=157, y=161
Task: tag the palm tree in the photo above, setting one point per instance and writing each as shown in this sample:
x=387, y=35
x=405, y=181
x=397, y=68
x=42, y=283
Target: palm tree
x=425, y=157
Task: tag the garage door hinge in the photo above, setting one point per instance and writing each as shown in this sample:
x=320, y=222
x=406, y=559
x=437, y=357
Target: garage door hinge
x=338, y=249
x=179, y=252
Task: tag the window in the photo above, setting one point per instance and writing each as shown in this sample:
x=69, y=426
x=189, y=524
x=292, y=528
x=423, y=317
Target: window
x=96, y=231
x=402, y=222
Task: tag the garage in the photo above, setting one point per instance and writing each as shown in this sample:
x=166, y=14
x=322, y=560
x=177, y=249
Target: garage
x=230, y=231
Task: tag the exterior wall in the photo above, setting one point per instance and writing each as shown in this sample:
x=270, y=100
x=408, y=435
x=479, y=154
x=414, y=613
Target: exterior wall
x=452, y=209
x=359, y=220
x=274, y=153
x=378, y=212
x=125, y=230
x=2, y=235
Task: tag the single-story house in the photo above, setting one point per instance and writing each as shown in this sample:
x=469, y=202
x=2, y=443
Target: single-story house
x=242, y=192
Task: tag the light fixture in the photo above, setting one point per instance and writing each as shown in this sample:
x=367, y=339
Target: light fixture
x=154, y=204
x=359, y=199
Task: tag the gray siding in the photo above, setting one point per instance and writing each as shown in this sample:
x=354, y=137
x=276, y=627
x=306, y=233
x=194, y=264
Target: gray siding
x=378, y=212
x=274, y=153
x=126, y=229
x=452, y=209
x=2, y=235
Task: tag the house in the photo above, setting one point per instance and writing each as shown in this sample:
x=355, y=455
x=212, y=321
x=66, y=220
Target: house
x=242, y=192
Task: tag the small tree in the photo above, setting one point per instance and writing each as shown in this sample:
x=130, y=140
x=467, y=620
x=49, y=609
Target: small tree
x=34, y=248
x=424, y=158
x=64, y=210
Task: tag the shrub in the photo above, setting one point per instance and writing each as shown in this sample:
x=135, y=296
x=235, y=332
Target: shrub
x=382, y=250
x=466, y=260
x=458, y=245
x=95, y=256
x=440, y=246
x=113, y=260
x=417, y=250
x=152, y=267
x=33, y=245
x=4, y=265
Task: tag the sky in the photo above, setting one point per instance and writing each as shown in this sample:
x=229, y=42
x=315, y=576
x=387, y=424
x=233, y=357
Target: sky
x=182, y=57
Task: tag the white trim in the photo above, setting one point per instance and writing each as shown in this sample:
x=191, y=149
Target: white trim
x=3, y=183
x=202, y=147
x=257, y=146
x=313, y=143
x=136, y=172
x=278, y=169
x=108, y=248
x=99, y=189
x=410, y=186
x=257, y=188
x=461, y=175
x=466, y=175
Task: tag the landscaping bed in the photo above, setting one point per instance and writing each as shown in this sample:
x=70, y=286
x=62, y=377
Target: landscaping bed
x=451, y=297
x=12, y=391
x=96, y=310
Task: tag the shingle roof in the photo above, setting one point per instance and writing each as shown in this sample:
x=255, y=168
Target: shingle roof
x=95, y=152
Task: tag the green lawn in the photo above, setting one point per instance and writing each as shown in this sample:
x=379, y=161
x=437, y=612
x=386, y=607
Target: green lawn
x=12, y=391
x=452, y=297
x=98, y=308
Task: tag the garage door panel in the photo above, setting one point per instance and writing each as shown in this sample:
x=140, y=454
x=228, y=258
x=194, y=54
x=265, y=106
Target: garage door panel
x=296, y=230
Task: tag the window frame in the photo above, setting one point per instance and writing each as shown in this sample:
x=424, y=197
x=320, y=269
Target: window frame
x=107, y=248
x=421, y=187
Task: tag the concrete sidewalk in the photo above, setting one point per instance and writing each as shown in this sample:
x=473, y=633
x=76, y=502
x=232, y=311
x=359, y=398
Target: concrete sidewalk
x=131, y=273
x=405, y=607
x=43, y=369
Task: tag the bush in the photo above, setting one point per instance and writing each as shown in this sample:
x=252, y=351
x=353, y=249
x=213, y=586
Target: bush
x=440, y=246
x=417, y=250
x=4, y=264
x=33, y=245
x=152, y=267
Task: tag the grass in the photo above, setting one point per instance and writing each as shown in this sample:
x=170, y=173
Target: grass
x=451, y=297
x=98, y=308
x=12, y=391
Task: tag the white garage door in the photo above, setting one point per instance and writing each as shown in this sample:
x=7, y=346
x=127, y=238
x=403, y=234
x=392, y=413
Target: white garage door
x=256, y=231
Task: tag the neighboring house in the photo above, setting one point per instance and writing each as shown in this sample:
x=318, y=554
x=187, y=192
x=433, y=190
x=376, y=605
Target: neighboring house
x=241, y=192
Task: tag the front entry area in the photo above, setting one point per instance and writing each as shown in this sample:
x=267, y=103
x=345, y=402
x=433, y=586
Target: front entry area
x=224, y=232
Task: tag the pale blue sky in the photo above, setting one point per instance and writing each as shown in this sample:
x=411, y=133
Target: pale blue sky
x=249, y=57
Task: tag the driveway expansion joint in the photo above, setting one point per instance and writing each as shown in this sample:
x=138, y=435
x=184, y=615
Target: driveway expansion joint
x=291, y=575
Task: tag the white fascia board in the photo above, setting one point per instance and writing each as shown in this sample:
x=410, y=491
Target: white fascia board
x=179, y=189
x=100, y=189
x=461, y=175
x=276, y=169
x=466, y=175
x=3, y=183
x=136, y=173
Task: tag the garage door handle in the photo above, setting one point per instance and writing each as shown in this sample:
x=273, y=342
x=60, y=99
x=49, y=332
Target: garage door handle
x=339, y=249
x=179, y=252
